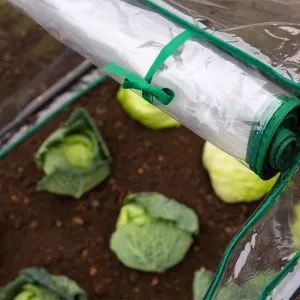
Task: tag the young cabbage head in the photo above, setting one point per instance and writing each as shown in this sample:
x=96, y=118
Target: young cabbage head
x=38, y=284
x=145, y=113
x=232, y=181
x=153, y=232
x=74, y=158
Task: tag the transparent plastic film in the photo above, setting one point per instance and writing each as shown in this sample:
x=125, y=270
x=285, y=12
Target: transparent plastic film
x=268, y=30
x=31, y=61
x=262, y=261
x=216, y=96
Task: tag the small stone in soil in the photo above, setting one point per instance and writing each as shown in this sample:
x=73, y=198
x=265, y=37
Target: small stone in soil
x=161, y=158
x=14, y=199
x=34, y=224
x=93, y=271
x=100, y=110
x=211, y=224
x=95, y=203
x=229, y=230
x=209, y=198
x=26, y=200
x=80, y=206
x=78, y=221
x=154, y=281
x=118, y=124
x=58, y=224
x=196, y=249
x=49, y=259
x=85, y=253
x=140, y=171
x=136, y=290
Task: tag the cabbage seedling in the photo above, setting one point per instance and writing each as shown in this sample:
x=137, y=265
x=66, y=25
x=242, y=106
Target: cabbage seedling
x=74, y=158
x=38, y=284
x=145, y=113
x=232, y=181
x=153, y=233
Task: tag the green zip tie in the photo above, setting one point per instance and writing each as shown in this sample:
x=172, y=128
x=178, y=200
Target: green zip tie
x=150, y=91
x=281, y=183
x=233, y=51
x=279, y=276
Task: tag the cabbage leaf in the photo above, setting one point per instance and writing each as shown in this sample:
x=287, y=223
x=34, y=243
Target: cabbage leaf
x=153, y=232
x=38, y=284
x=144, y=112
x=74, y=158
x=232, y=181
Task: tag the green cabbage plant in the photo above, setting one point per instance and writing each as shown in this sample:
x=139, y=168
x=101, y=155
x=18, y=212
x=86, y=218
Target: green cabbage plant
x=153, y=232
x=249, y=290
x=38, y=284
x=232, y=181
x=74, y=158
x=147, y=114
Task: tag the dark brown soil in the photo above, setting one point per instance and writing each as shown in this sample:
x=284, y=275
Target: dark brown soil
x=72, y=237
x=25, y=51
x=24, y=48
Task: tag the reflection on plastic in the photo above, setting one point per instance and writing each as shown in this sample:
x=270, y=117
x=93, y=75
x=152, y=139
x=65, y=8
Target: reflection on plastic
x=217, y=97
x=266, y=250
x=269, y=30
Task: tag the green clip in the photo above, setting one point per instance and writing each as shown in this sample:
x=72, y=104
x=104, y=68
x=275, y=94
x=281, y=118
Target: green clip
x=150, y=91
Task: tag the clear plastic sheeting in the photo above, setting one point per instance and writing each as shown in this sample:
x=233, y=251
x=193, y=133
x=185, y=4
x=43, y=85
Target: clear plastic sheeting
x=14, y=105
x=267, y=29
x=31, y=61
x=217, y=97
x=56, y=98
x=265, y=262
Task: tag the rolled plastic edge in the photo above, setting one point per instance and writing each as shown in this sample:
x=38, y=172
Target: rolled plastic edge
x=272, y=146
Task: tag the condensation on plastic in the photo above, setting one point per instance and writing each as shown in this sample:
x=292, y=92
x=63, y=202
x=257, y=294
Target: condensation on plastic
x=267, y=29
x=217, y=97
x=265, y=249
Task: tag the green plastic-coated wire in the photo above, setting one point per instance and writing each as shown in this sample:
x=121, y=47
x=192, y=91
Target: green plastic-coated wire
x=279, y=276
x=282, y=181
x=5, y=150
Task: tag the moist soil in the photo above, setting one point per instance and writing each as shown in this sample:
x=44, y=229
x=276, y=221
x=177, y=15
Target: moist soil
x=71, y=237
x=26, y=50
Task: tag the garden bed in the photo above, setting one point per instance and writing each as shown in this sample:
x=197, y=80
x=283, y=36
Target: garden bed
x=71, y=237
